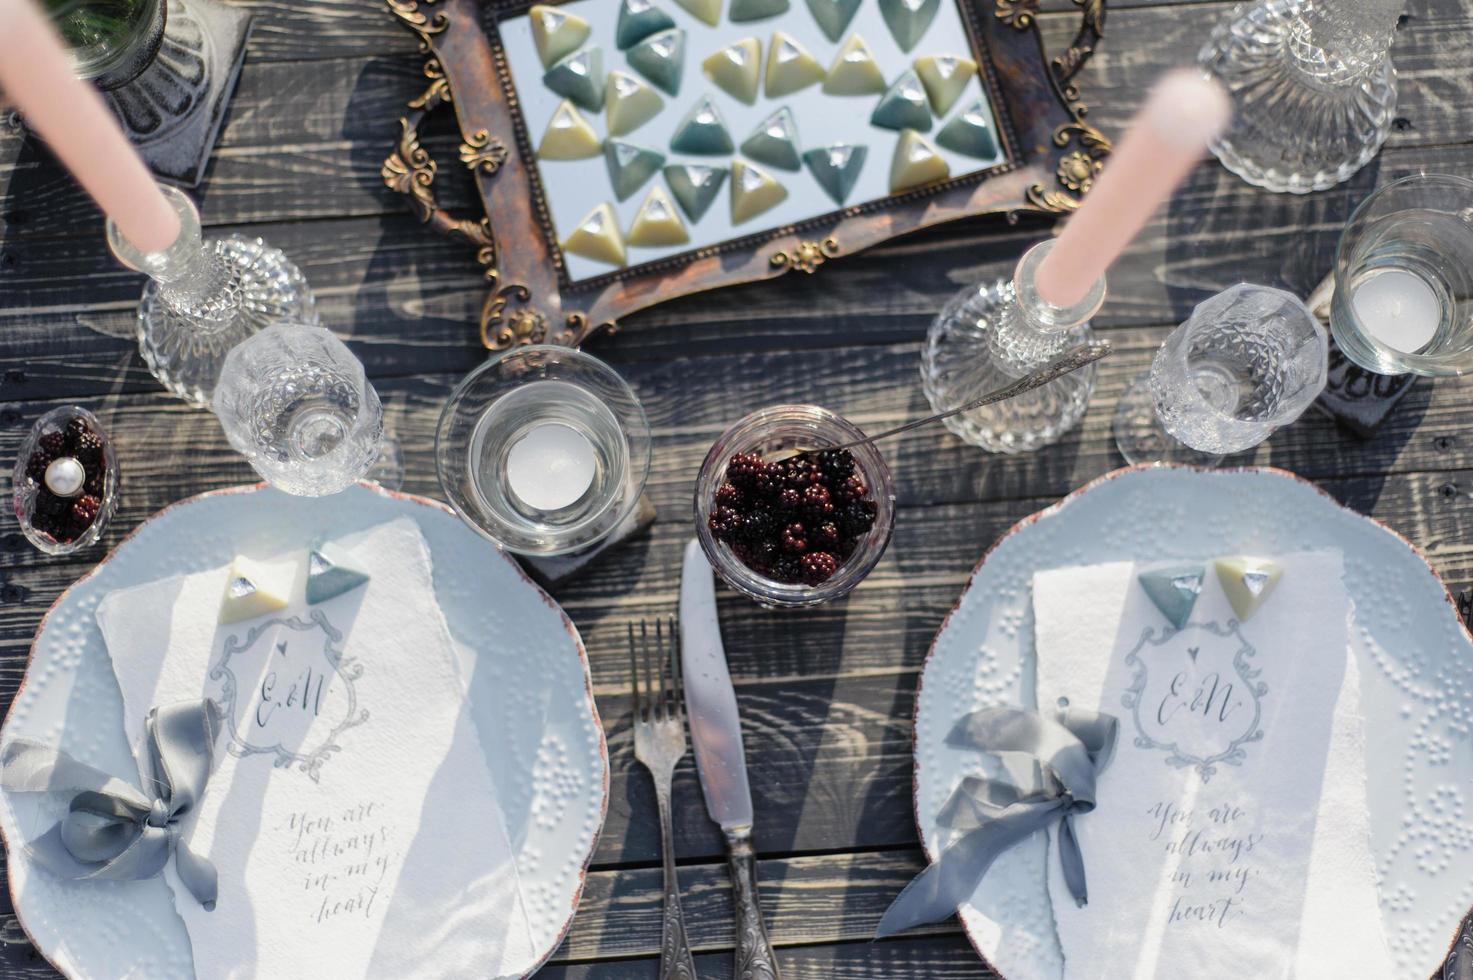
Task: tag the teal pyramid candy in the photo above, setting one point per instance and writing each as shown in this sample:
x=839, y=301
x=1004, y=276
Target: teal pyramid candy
x=741, y=11
x=638, y=19
x=702, y=132
x=579, y=77
x=695, y=187
x=331, y=574
x=775, y=141
x=836, y=168
x=630, y=166
x=661, y=59
x=904, y=105
x=1174, y=590
x=833, y=16
x=970, y=133
x=908, y=19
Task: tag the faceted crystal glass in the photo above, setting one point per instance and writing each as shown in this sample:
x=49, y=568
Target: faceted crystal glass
x=295, y=402
x=1249, y=360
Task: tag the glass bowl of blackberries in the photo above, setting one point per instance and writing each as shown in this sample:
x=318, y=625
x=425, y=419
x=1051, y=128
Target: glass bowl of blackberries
x=787, y=521
x=66, y=481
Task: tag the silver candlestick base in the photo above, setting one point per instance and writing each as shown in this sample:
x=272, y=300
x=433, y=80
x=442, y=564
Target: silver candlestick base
x=204, y=298
x=994, y=333
x=1313, y=89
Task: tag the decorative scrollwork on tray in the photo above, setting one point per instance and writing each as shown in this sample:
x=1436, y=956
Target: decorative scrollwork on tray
x=523, y=325
x=483, y=151
x=410, y=171
x=1091, y=30
x=807, y=256
x=415, y=19
x=1077, y=169
x=1017, y=14
x=438, y=90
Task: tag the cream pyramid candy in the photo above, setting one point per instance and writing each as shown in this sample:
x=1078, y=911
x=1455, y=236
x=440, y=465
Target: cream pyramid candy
x=854, y=71
x=631, y=103
x=908, y=20
x=695, y=187
x=1174, y=591
x=704, y=10
x=903, y=106
x=580, y=78
x=736, y=69
x=945, y=77
x=638, y=19
x=660, y=58
x=833, y=16
x=836, y=168
x=656, y=223
x=630, y=166
x=250, y=592
x=745, y=10
x=568, y=136
x=1247, y=582
x=970, y=133
x=916, y=162
x=556, y=33
x=597, y=237
x=789, y=67
x=331, y=573
x=702, y=132
x=752, y=192
x=775, y=142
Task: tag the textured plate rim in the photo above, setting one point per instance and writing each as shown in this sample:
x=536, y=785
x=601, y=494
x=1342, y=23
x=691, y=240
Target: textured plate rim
x=568, y=626
x=1053, y=509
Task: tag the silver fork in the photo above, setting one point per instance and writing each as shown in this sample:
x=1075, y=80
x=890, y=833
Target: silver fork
x=659, y=742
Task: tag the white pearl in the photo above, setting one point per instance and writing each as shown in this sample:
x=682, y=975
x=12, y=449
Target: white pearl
x=65, y=476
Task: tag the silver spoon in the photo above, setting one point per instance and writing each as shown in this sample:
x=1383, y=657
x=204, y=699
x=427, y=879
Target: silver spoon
x=1071, y=360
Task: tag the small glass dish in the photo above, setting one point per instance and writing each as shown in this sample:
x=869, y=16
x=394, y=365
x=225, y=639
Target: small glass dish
x=65, y=481
x=544, y=450
x=777, y=431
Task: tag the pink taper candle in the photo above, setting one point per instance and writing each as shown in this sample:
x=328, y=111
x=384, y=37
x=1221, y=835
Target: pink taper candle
x=36, y=76
x=1183, y=113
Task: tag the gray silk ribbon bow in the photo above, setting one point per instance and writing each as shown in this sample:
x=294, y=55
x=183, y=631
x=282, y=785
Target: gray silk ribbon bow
x=1066, y=756
x=111, y=830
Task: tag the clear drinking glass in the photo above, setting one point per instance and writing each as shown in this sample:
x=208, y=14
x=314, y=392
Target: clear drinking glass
x=545, y=450
x=1403, y=299
x=111, y=41
x=1248, y=361
x=294, y=401
x=1313, y=89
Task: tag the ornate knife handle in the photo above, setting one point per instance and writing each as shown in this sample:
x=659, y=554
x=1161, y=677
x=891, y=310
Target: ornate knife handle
x=754, y=956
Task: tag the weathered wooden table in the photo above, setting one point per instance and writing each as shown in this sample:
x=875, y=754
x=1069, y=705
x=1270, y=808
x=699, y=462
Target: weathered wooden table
x=826, y=695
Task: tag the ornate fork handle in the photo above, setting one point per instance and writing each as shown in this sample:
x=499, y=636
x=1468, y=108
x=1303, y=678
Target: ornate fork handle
x=676, y=962
x=754, y=956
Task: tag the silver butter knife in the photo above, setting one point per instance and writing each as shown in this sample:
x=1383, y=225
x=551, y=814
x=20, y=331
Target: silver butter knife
x=716, y=733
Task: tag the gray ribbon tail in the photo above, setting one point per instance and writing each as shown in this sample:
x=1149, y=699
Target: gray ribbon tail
x=936, y=892
x=197, y=874
x=1071, y=861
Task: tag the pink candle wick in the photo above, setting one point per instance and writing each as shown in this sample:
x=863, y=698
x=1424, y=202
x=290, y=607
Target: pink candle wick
x=1183, y=114
x=36, y=75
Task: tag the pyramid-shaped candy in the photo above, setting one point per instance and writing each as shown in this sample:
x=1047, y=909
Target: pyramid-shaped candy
x=789, y=67
x=737, y=69
x=331, y=573
x=708, y=11
x=903, y=106
x=775, y=142
x=568, y=136
x=597, y=237
x=970, y=133
x=833, y=16
x=638, y=19
x=915, y=162
x=752, y=192
x=251, y=592
x=836, y=168
x=631, y=103
x=854, y=71
x=701, y=132
x=908, y=20
x=660, y=58
x=556, y=33
x=1174, y=590
x=741, y=11
x=1248, y=582
x=657, y=223
x=630, y=166
x=945, y=77
x=695, y=187
x=579, y=77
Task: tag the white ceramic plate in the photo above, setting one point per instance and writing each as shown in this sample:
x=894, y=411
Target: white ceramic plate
x=529, y=694
x=1416, y=663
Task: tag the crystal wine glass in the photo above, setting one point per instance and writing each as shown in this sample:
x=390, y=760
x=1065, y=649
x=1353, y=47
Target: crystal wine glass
x=295, y=402
x=111, y=41
x=1246, y=362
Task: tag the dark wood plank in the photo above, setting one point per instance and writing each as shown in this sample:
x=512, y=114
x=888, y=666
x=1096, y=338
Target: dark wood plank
x=931, y=958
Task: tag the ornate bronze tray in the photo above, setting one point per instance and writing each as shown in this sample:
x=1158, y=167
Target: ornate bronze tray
x=1049, y=157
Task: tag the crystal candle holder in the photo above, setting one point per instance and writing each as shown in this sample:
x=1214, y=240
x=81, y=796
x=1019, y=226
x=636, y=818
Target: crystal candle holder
x=544, y=450
x=203, y=298
x=1313, y=89
x=994, y=333
x=776, y=432
x=65, y=481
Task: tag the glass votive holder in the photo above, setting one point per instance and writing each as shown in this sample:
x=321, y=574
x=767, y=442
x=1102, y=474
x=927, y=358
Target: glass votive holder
x=545, y=450
x=773, y=434
x=65, y=481
x=1403, y=299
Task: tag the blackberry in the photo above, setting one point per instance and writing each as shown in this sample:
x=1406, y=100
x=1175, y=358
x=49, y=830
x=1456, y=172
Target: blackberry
x=756, y=526
x=84, y=511
x=828, y=533
x=857, y=519
x=742, y=470
x=49, y=504
x=836, y=464
x=54, y=443
x=816, y=497
x=794, y=540
x=96, y=481
x=727, y=495
x=853, y=488
x=789, y=499
x=75, y=429
x=819, y=567
x=724, y=522
x=88, y=449
x=39, y=460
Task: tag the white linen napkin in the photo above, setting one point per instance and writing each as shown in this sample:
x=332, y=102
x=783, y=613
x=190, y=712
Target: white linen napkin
x=339, y=816
x=1231, y=837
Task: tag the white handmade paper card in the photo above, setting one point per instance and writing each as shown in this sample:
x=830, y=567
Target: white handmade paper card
x=350, y=815
x=1230, y=837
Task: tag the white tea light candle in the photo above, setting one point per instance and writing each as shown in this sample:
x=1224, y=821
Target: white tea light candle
x=551, y=467
x=1398, y=308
